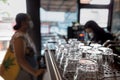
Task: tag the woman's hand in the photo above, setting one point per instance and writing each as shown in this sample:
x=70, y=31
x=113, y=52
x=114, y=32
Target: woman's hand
x=2, y=69
x=39, y=72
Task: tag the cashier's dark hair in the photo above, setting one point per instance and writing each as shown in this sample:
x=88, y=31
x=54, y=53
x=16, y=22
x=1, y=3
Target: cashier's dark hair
x=95, y=27
x=21, y=17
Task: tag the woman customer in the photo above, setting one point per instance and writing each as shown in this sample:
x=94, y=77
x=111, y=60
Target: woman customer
x=21, y=46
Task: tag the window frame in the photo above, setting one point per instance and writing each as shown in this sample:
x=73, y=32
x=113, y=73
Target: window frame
x=98, y=6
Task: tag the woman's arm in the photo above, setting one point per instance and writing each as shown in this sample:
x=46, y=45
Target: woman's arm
x=19, y=48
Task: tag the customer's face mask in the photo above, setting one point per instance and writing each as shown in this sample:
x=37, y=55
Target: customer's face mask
x=31, y=24
x=118, y=37
x=91, y=35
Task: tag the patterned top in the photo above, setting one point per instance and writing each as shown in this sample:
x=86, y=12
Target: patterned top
x=29, y=46
x=29, y=55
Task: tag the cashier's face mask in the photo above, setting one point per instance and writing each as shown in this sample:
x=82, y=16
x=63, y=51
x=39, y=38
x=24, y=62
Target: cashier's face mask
x=91, y=35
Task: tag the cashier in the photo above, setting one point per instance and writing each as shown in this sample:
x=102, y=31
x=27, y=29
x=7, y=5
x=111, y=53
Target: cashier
x=97, y=34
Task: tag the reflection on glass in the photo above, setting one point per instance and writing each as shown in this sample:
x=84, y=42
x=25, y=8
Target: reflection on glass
x=95, y=1
x=98, y=15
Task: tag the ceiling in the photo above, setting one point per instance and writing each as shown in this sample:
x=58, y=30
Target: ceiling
x=59, y=5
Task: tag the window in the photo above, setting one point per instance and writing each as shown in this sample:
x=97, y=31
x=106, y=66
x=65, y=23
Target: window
x=94, y=14
x=8, y=10
x=97, y=10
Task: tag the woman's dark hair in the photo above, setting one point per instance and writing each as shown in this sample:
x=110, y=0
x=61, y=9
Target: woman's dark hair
x=19, y=19
x=95, y=27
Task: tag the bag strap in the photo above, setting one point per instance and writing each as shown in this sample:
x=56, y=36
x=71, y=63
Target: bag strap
x=10, y=47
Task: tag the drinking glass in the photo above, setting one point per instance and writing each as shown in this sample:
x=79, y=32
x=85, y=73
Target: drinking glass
x=86, y=70
x=108, y=55
x=59, y=53
x=70, y=68
x=65, y=55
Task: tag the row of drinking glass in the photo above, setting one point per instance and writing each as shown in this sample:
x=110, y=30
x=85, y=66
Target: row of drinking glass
x=80, y=62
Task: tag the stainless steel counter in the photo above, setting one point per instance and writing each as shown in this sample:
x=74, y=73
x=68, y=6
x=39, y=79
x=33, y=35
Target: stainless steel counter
x=52, y=67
